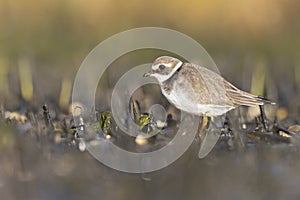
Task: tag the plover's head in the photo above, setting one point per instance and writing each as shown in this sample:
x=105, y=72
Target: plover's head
x=164, y=67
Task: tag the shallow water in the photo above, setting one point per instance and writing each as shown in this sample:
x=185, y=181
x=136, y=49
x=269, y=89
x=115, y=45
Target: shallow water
x=42, y=170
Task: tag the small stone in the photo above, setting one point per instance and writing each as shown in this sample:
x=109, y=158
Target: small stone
x=81, y=146
x=57, y=138
x=141, y=140
x=244, y=126
x=283, y=134
x=75, y=109
x=161, y=124
x=15, y=116
x=294, y=128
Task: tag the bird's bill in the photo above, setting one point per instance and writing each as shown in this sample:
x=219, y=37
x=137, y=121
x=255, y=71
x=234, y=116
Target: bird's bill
x=148, y=74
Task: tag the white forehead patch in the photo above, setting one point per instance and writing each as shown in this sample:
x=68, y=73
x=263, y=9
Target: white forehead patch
x=162, y=78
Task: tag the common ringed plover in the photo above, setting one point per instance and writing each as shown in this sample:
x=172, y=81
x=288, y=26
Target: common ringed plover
x=198, y=90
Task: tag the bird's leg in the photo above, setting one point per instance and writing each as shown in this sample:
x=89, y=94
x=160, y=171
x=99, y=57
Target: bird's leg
x=205, y=122
x=210, y=133
x=208, y=122
x=263, y=117
x=204, y=126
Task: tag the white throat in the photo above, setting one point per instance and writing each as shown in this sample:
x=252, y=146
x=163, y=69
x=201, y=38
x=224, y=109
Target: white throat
x=162, y=78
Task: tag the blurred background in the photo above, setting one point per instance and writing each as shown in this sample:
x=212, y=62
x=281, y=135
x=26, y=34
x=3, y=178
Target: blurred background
x=255, y=44
x=51, y=39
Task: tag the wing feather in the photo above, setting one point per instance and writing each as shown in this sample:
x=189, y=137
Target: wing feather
x=240, y=97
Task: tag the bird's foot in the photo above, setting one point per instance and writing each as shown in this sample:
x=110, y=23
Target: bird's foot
x=263, y=119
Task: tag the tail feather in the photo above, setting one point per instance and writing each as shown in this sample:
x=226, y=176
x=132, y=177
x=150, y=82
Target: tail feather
x=265, y=100
x=240, y=97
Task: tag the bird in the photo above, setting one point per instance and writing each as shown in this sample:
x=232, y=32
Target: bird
x=198, y=90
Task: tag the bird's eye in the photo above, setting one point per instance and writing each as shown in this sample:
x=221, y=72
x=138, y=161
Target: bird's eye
x=162, y=67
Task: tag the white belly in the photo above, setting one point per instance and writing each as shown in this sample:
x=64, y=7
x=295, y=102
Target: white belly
x=180, y=101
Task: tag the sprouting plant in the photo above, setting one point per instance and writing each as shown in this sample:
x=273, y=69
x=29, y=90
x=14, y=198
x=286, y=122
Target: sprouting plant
x=105, y=122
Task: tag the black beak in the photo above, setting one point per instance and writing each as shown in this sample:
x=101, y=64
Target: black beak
x=147, y=74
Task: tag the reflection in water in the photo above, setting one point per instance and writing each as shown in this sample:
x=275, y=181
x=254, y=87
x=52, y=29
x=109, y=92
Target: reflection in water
x=45, y=171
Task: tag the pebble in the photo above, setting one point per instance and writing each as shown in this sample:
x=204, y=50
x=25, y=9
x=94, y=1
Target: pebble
x=81, y=146
x=294, y=128
x=141, y=140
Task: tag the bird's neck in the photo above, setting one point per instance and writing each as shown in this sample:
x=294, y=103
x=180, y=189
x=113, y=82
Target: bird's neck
x=168, y=84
